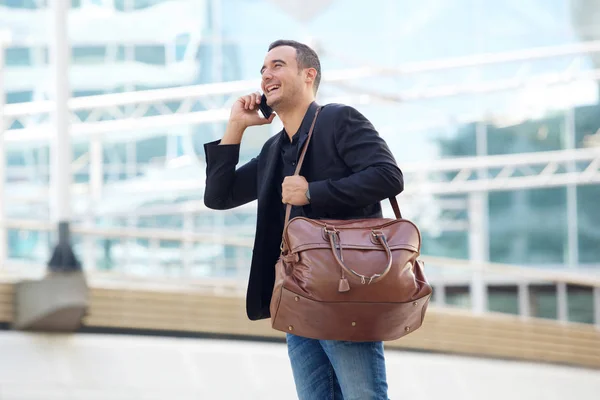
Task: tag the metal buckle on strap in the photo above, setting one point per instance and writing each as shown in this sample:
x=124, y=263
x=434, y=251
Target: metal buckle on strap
x=281, y=246
x=330, y=231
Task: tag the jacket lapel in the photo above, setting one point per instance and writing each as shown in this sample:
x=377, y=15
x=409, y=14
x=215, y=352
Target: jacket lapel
x=301, y=142
x=305, y=127
x=270, y=165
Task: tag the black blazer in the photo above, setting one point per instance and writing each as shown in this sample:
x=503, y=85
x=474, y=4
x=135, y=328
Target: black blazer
x=349, y=167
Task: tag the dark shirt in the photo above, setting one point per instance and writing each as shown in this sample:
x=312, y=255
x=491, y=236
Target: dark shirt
x=289, y=154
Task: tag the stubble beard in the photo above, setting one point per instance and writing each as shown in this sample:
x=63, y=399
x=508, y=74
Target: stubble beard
x=286, y=102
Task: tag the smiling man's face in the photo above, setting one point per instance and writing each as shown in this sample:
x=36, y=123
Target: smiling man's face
x=282, y=80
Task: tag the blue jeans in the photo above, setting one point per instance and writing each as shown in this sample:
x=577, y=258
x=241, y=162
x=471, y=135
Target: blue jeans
x=335, y=370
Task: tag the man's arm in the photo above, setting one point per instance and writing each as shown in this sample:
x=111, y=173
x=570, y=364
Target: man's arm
x=227, y=187
x=376, y=175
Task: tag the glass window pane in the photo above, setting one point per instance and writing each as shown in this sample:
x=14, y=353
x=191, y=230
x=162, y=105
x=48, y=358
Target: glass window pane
x=528, y=226
x=543, y=134
x=28, y=4
x=588, y=223
x=154, y=55
x=181, y=46
x=587, y=125
x=447, y=244
x=18, y=97
x=89, y=55
x=17, y=56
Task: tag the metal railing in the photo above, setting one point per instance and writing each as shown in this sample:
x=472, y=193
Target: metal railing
x=459, y=175
x=206, y=103
x=443, y=273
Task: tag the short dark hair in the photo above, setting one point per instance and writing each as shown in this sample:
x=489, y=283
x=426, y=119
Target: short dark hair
x=305, y=57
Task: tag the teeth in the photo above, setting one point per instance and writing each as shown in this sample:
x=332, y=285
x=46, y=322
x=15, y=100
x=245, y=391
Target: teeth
x=273, y=88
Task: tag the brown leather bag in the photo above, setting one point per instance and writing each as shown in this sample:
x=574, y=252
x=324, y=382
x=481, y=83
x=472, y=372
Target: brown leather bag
x=352, y=280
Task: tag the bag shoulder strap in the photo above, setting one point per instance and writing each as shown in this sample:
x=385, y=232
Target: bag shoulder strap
x=288, y=208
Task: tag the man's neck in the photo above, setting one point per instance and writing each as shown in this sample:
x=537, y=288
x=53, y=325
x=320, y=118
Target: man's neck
x=292, y=118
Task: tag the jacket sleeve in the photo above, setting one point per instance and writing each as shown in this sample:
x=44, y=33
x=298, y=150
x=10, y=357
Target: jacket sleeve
x=375, y=175
x=227, y=187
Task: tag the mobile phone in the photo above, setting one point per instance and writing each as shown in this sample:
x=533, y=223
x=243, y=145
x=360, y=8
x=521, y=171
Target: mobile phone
x=264, y=107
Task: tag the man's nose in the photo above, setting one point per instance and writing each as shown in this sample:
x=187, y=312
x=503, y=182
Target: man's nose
x=267, y=76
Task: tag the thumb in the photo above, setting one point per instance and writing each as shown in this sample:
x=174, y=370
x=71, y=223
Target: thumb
x=269, y=120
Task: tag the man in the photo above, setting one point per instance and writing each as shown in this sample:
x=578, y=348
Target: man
x=347, y=171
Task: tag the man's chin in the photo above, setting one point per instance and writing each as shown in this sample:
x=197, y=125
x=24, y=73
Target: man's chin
x=274, y=102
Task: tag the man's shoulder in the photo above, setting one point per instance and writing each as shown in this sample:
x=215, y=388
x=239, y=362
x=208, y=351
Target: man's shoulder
x=336, y=109
x=339, y=111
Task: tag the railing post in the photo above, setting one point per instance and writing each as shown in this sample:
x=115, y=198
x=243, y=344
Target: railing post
x=125, y=262
x=154, y=258
x=524, y=300
x=440, y=294
x=96, y=171
x=3, y=230
x=597, y=307
x=479, y=229
x=129, y=245
x=240, y=262
x=187, y=245
x=572, y=217
x=63, y=258
x=562, y=305
x=95, y=179
x=89, y=248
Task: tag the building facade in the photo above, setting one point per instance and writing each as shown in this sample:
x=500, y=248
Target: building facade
x=427, y=112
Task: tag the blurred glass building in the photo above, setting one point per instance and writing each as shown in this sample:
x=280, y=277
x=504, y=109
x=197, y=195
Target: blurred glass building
x=429, y=112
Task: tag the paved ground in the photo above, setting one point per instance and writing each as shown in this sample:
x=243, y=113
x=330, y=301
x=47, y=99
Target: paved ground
x=82, y=367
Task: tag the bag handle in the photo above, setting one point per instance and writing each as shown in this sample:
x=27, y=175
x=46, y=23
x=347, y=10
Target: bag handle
x=364, y=279
x=288, y=208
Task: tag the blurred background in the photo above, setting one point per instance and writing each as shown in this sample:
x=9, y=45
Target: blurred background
x=491, y=109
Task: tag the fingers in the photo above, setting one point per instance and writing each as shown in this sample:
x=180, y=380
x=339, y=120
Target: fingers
x=246, y=110
x=287, y=188
x=254, y=100
x=246, y=100
x=251, y=101
x=284, y=191
x=264, y=121
x=293, y=190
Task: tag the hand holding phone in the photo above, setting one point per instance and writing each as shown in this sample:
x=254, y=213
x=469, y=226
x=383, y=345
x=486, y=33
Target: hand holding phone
x=245, y=111
x=264, y=107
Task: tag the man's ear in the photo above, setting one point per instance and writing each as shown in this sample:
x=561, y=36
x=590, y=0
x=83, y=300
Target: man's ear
x=311, y=74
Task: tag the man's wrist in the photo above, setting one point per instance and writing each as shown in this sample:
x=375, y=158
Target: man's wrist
x=307, y=194
x=233, y=133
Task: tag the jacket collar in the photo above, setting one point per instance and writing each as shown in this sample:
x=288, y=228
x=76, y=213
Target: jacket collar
x=305, y=126
x=274, y=148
